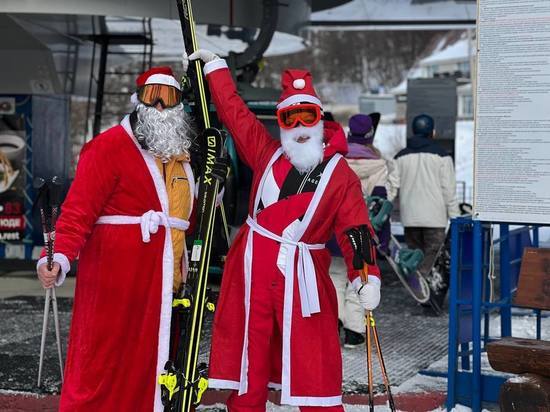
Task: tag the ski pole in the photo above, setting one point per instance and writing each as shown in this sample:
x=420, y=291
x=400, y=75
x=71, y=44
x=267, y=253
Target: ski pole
x=49, y=196
x=49, y=259
x=364, y=280
x=382, y=363
x=44, y=329
x=369, y=363
x=56, y=187
x=55, y=195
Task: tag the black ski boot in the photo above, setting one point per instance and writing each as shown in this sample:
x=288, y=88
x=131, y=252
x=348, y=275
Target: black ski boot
x=353, y=339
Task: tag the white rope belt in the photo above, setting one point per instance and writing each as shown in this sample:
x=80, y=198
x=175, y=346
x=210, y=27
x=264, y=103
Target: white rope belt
x=307, y=280
x=149, y=222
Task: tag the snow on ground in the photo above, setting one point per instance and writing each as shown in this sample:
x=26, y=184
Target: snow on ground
x=271, y=407
x=10, y=392
x=422, y=384
x=457, y=408
x=524, y=325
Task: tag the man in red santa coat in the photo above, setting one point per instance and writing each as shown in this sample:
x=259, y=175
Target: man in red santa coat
x=277, y=316
x=132, y=183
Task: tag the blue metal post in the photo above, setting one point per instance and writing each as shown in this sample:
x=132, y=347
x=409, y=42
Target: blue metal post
x=465, y=358
x=453, y=315
x=476, y=314
x=535, y=236
x=505, y=281
x=486, y=284
x=537, y=311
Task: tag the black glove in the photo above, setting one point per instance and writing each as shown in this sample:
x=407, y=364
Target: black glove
x=220, y=170
x=196, y=153
x=363, y=245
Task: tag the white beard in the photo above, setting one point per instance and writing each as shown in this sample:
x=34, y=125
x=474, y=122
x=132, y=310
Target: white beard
x=304, y=156
x=165, y=134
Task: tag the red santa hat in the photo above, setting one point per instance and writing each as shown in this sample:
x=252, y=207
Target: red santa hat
x=297, y=87
x=156, y=75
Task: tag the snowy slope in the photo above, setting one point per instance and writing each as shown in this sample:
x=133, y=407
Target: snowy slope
x=455, y=52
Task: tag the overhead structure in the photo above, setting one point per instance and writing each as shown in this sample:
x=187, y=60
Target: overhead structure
x=398, y=15
x=242, y=13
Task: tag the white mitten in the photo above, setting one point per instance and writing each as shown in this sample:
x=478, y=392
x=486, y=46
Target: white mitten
x=205, y=55
x=369, y=293
x=185, y=61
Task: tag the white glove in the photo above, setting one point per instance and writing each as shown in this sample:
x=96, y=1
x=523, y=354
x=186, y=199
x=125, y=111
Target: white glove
x=185, y=61
x=369, y=294
x=205, y=55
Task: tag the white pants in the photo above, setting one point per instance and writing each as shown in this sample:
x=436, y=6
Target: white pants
x=350, y=311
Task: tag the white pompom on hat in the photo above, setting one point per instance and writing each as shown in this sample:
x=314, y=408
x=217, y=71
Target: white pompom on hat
x=297, y=88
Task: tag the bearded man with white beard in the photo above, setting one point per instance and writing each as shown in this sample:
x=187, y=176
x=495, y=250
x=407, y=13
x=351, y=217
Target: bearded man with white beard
x=125, y=218
x=276, y=323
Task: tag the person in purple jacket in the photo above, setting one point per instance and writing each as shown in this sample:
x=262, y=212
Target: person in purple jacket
x=377, y=174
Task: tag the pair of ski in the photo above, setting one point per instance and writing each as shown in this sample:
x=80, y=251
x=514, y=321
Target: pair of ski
x=184, y=381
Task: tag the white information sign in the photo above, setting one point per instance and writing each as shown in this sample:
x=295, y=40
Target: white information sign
x=512, y=133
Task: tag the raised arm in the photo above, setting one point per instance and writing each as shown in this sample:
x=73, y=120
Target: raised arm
x=250, y=135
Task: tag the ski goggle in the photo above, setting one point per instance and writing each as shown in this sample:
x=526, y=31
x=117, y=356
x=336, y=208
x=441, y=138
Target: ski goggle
x=305, y=114
x=152, y=94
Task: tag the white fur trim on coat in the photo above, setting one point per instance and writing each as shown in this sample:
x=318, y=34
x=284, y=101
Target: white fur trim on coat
x=286, y=396
x=134, y=99
x=299, y=98
x=63, y=262
x=163, y=79
x=214, y=65
x=167, y=267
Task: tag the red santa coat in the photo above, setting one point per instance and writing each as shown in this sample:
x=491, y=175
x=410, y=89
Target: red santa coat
x=306, y=358
x=114, y=217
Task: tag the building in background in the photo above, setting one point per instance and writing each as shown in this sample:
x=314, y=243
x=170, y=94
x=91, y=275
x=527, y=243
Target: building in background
x=451, y=57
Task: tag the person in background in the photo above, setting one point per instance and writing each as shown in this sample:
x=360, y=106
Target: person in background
x=378, y=175
x=377, y=179
x=427, y=191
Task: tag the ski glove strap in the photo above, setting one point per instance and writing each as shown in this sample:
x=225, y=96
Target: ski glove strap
x=362, y=243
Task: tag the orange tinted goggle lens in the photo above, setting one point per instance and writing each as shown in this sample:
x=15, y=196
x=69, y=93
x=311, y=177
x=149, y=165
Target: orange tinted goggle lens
x=167, y=96
x=306, y=114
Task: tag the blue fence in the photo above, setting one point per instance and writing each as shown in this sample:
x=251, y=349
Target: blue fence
x=473, y=297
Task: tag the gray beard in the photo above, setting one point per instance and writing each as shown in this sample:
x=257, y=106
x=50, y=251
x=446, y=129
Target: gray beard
x=164, y=134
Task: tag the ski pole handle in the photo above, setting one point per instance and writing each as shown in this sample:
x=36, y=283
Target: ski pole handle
x=364, y=274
